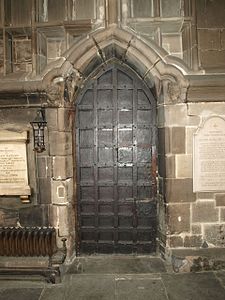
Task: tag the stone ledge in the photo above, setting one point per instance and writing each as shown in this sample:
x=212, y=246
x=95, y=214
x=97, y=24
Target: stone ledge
x=22, y=261
x=208, y=87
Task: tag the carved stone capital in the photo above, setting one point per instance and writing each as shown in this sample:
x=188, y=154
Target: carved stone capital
x=55, y=93
x=62, y=89
x=174, y=92
x=72, y=83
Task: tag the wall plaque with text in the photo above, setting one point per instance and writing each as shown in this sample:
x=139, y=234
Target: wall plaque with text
x=13, y=164
x=209, y=156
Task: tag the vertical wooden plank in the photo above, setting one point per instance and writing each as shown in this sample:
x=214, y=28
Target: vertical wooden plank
x=96, y=163
x=115, y=160
x=135, y=175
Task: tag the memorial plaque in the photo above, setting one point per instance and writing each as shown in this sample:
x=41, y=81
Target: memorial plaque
x=209, y=156
x=13, y=164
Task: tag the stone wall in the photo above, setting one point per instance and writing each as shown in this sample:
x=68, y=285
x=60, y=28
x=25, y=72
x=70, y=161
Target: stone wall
x=193, y=219
x=50, y=174
x=176, y=44
x=186, y=29
x=56, y=171
x=211, y=34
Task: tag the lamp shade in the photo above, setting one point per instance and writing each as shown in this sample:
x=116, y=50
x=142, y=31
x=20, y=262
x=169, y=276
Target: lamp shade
x=38, y=126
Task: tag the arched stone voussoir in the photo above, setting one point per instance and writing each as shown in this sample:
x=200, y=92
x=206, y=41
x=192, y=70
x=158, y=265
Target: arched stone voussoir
x=101, y=46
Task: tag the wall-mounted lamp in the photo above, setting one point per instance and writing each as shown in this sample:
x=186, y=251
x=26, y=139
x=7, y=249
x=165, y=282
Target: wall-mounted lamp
x=38, y=126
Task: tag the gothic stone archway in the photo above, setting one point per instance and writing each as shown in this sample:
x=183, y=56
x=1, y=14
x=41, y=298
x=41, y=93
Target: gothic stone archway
x=156, y=68
x=116, y=184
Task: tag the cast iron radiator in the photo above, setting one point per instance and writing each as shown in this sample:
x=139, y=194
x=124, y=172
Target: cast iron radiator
x=32, y=241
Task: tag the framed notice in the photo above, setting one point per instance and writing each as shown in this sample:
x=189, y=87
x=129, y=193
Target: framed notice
x=13, y=164
x=209, y=156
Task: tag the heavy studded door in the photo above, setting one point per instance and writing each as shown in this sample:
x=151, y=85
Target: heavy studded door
x=115, y=156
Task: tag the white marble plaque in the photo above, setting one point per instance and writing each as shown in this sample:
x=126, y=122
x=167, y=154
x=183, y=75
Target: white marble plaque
x=209, y=156
x=13, y=164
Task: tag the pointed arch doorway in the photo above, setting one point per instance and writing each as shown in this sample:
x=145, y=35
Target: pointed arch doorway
x=115, y=163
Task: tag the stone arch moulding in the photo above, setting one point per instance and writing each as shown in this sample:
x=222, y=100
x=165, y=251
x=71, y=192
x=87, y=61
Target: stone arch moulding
x=153, y=64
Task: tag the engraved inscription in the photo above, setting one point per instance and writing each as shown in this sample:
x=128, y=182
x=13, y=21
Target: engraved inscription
x=209, y=156
x=13, y=164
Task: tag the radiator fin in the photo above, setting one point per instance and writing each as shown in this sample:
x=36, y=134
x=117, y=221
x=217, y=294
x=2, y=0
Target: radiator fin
x=27, y=241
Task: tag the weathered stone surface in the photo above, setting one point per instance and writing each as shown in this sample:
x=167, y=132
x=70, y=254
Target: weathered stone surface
x=45, y=190
x=222, y=32
x=189, y=139
x=179, y=218
x=55, y=48
x=161, y=181
x=205, y=195
x=71, y=191
x=167, y=166
x=210, y=14
x=21, y=293
x=60, y=143
x=196, y=229
x=34, y=216
x=198, y=286
x=161, y=165
x=176, y=115
x=44, y=166
x=209, y=39
x=51, y=115
x=60, y=218
x=206, y=109
x=220, y=199
x=162, y=211
x=178, y=140
x=62, y=167
x=212, y=59
x=176, y=241
x=222, y=214
x=63, y=220
x=193, y=241
x=205, y=211
x=172, y=92
x=183, y=166
x=211, y=90
x=22, y=56
x=170, y=9
x=215, y=234
x=62, y=191
x=8, y=217
x=172, y=43
x=164, y=140
x=179, y=190
x=65, y=119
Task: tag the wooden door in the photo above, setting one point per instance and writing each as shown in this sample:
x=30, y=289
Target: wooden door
x=115, y=139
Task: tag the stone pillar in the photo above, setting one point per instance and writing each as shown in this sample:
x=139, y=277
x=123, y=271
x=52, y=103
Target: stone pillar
x=175, y=171
x=60, y=151
x=55, y=176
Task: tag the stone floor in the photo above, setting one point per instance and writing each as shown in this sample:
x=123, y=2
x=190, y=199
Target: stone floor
x=119, y=278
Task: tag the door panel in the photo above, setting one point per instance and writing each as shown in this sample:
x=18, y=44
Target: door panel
x=115, y=135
